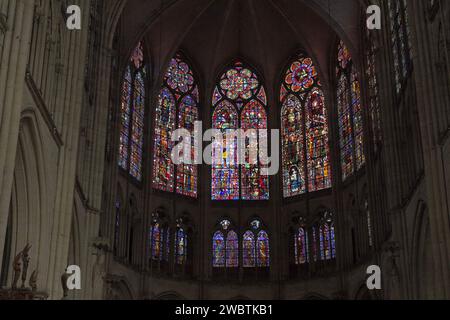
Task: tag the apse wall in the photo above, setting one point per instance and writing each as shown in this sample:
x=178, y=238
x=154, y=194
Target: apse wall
x=137, y=202
x=375, y=208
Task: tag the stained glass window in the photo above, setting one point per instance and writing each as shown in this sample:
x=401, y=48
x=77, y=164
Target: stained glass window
x=137, y=129
x=327, y=241
x=177, y=108
x=314, y=243
x=225, y=247
x=125, y=119
x=400, y=40
x=218, y=250
x=232, y=250
x=263, y=250
x=157, y=242
x=292, y=143
x=187, y=173
x=225, y=224
x=239, y=101
x=317, y=147
x=164, y=170
x=373, y=91
x=301, y=247
x=357, y=119
x=254, y=185
x=249, y=250
x=350, y=114
x=304, y=122
x=255, y=247
x=181, y=246
x=132, y=114
x=225, y=175
x=167, y=244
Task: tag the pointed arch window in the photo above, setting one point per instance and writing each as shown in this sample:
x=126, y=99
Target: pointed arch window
x=181, y=244
x=218, y=250
x=326, y=237
x=304, y=122
x=159, y=240
x=256, y=247
x=225, y=247
x=263, y=250
x=132, y=114
x=239, y=101
x=301, y=246
x=156, y=242
x=178, y=108
x=400, y=41
x=373, y=90
x=350, y=114
x=232, y=250
x=249, y=250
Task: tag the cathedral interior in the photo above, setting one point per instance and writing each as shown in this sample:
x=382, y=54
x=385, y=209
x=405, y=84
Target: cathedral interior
x=87, y=178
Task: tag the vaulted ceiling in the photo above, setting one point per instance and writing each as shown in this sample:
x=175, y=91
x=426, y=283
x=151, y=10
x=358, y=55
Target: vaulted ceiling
x=264, y=33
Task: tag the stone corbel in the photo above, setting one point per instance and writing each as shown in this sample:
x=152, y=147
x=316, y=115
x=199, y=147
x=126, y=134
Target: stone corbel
x=101, y=244
x=3, y=23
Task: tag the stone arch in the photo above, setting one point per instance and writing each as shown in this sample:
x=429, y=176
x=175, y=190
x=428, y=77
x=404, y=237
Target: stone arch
x=119, y=289
x=422, y=260
x=30, y=206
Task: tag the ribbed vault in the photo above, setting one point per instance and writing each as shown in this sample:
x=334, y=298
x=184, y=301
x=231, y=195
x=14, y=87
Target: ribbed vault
x=213, y=32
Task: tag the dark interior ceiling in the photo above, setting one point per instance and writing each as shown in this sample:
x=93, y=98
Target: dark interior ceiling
x=264, y=33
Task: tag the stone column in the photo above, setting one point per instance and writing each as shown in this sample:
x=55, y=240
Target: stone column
x=13, y=62
x=73, y=79
x=432, y=150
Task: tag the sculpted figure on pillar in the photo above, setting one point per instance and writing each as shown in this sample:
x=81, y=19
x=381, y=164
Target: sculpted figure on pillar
x=26, y=262
x=17, y=269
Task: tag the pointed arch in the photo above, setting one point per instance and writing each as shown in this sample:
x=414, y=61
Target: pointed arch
x=178, y=108
x=248, y=250
x=241, y=91
x=301, y=246
x=400, y=41
x=232, y=250
x=181, y=243
x=304, y=120
x=350, y=114
x=218, y=250
x=263, y=250
x=132, y=114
